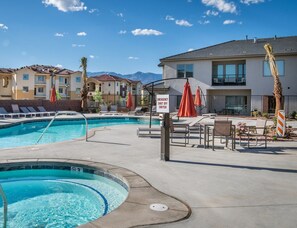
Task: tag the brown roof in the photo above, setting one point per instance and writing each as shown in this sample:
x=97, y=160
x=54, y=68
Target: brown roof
x=43, y=69
x=108, y=77
x=6, y=70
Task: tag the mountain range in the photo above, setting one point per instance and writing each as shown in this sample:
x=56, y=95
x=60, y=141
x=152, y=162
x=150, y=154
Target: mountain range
x=138, y=76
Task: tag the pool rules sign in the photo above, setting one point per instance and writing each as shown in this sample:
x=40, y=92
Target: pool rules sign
x=162, y=102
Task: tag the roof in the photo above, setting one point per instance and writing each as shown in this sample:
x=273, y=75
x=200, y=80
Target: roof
x=6, y=70
x=108, y=77
x=240, y=48
x=44, y=69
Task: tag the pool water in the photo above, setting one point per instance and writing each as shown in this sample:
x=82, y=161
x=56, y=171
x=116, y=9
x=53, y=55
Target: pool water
x=57, y=198
x=26, y=134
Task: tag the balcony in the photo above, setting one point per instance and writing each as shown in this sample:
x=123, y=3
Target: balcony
x=37, y=82
x=228, y=80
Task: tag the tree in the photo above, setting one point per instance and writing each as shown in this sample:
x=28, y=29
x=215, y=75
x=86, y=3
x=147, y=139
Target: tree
x=277, y=90
x=84, y=91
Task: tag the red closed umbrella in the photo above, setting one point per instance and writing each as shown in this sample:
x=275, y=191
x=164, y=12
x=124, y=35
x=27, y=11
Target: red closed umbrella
x=53, y=97
x=197, y=101
x=129, y=101
x=186, y=107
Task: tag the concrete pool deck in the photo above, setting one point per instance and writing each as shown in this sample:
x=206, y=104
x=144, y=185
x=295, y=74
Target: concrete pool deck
x=224, y=188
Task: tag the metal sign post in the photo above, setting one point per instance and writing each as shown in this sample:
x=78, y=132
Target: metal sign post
x=162, y=102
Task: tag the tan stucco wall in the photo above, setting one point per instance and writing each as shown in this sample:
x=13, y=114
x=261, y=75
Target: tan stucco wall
x=22, y=96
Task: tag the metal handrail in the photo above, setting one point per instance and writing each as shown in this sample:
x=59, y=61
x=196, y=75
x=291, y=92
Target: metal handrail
x=64, y=112
x=5, y=204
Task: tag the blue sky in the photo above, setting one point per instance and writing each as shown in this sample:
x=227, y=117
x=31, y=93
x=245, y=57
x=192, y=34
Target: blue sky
x=126, y=36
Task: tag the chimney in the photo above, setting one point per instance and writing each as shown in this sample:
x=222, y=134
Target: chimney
x=255, y=40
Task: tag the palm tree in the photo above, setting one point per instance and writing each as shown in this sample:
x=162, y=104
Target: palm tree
x=84, y=91
x=277, y=90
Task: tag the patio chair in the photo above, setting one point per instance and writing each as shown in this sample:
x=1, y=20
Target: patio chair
x=180, y=131
x=258, y=131
x=223, y=128
x=44, y=111
x=103, y=109
x=16, y=110
x=4, y=113
x=154, y=111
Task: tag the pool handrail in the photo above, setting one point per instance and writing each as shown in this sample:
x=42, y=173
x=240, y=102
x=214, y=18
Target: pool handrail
x=64, y=112
x=4, y=199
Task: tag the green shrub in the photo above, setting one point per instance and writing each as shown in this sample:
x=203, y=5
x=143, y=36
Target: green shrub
x=265, y=114
x=293, y=115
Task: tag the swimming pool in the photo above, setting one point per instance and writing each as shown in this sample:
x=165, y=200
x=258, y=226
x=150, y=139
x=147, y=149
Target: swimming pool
x=57, y=195
x=25, y=134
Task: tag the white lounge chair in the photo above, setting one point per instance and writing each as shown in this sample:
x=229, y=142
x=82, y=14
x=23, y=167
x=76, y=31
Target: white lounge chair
x=43, y=110
x=4, y=113
x=16, y=110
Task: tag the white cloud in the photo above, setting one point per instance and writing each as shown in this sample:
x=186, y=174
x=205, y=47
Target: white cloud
x=191, y=49
x=120, y=15
x=169, y=18
x=205, y=22
x=59, y=34
x=146, y=32
x=59, y=66
x=212, y=13
x=133, y=58
x=248, y=2
x=66, y=5
x=3, y=26
x=81, y=34
x=228, y=22
x=221, y=5
x=91, y=56
x=93, y=10
x=122, y=32
x=183, y=23
x=78, y=45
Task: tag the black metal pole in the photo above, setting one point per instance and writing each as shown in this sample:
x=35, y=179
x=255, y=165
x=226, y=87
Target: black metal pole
x=165, y=138
x=151, y=106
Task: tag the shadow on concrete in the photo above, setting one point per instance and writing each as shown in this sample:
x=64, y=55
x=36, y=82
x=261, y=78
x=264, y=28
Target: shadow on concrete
x=237, y=166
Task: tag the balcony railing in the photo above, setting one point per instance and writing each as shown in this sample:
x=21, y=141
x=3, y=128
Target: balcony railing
x=40, y=82
x=228, y=80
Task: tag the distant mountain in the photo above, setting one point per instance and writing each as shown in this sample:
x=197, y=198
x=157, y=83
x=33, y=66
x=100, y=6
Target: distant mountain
x=138, y=76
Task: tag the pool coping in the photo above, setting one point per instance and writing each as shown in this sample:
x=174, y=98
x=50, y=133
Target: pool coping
x=135, y=210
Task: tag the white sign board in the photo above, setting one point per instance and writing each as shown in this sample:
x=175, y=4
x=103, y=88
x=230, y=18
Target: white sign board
x=162, y=102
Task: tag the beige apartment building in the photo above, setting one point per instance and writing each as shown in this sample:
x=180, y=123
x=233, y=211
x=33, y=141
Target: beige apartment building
x=113, y=89
x=34, y=82
x=233, y=76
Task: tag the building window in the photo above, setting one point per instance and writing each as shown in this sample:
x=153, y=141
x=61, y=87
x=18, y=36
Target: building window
x=40, y=89
x=280, y=64
x=78, y=79
x=108, y=84
x=40, y=78
x=61, y=91
x=26, y=77
x=77, y=91
x=185, y=70
x=25, y=89
x=228, y=73
x=235, y=105
x=100, y=88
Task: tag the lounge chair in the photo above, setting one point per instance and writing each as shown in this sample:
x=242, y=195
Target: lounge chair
x=154, y=111
x=33, y=110
x=26, y=111
x=4, y=113
x=148, y=131
x=16, y=110
x=137, y=111
x=43, y=110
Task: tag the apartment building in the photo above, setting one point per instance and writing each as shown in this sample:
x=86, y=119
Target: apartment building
x=234, y=76
x=114, y=89
x=34, y=82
